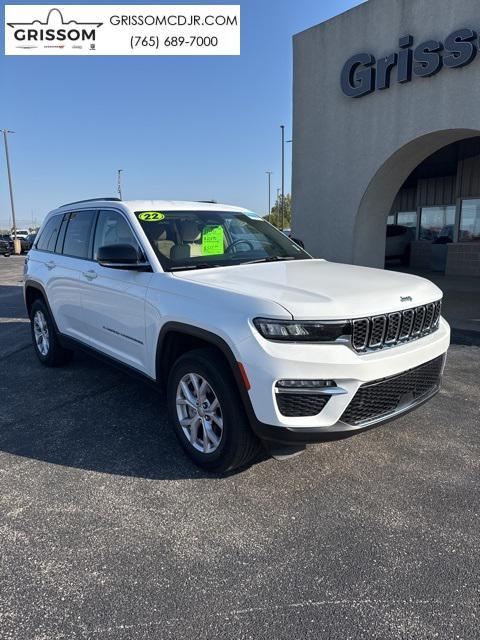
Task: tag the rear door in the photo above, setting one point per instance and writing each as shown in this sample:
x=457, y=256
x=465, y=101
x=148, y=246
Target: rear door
x=70, y=260
x=114, y=299
x=49, y=270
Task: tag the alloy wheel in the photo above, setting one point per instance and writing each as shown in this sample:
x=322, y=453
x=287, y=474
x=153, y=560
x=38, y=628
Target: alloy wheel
x=40, y=330
x=199, y=413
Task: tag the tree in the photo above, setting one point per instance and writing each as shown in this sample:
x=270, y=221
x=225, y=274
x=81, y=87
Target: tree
x=275, y=216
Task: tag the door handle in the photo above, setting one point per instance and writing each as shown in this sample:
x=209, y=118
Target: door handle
x=50, y=265
x=90, y=275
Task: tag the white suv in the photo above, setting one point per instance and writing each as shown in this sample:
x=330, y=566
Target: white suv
x=252, y=339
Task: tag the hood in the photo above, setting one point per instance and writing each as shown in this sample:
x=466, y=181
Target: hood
x=316, y=289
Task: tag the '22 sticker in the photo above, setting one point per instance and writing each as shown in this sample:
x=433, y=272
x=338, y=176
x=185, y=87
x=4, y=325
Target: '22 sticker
x=151, y=216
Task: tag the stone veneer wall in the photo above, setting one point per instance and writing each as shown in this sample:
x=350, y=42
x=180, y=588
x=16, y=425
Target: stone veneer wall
x=463, y=259
x=421, y=255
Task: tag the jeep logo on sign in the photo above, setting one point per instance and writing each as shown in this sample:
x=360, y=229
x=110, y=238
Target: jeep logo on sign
x=362, y=73
x=54, y=31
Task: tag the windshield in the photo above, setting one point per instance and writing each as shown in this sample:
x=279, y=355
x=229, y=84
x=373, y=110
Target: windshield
x=202, y=239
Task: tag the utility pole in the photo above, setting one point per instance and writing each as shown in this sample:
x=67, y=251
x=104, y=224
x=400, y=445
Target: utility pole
x=269, y=173
x=119, y=182
x=16, y=241
x=282, y=127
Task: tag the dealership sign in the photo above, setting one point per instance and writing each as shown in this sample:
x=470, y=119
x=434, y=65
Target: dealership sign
x=362, y=73
x=88, y=29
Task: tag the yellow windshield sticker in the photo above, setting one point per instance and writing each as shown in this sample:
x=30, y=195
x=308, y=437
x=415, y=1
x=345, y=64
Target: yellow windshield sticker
x=151, y=216
x=212, y=241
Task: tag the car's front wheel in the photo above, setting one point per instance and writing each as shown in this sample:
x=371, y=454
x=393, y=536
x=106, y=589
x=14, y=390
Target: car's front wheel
x=207, y=414
x=45, y=340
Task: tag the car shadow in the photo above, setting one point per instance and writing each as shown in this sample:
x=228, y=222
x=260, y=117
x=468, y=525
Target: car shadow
x=89, y=416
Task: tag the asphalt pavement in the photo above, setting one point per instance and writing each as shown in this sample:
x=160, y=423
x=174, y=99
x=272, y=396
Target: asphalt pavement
x=108, y=531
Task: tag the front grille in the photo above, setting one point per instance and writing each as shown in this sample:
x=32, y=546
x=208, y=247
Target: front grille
x=378, y=399
x=377, y=332
x=300, y=405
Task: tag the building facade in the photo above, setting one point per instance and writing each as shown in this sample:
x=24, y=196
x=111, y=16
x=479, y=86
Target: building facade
x=386, y=129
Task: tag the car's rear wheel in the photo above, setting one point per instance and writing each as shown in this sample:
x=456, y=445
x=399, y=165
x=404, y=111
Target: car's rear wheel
x=45, y=339
x=207, y=414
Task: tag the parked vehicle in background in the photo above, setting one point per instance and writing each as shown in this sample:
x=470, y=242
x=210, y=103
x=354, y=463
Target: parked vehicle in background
x=251, y=339
x=27, y=243
x=398, y=242
x=6, y=238
x=446, y=235
x=288, y=233
x=5, y=247
x=21, y=234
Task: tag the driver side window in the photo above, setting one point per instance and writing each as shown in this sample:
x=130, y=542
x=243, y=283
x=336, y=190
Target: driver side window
x=112, y=228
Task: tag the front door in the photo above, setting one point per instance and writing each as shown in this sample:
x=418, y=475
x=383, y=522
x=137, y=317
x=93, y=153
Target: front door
x=114, y=299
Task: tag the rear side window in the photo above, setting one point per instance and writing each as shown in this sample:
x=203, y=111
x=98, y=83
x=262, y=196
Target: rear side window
x=78, y=234
x=48, y=237
x=61, y=234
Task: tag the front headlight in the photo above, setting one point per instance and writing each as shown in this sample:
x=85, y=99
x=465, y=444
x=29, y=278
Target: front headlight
x=303, y=330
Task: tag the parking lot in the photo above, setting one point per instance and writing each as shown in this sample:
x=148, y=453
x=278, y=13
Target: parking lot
x=108, y=531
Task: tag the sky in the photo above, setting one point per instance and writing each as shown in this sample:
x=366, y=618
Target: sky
x=181, y=127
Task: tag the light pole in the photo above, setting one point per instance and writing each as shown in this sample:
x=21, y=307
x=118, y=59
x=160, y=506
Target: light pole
x=119, y=182
x=269, y=173
x=282, y=127
x=16, y=241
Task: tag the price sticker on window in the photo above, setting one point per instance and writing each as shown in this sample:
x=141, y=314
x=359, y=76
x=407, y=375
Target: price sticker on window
x=212, y=241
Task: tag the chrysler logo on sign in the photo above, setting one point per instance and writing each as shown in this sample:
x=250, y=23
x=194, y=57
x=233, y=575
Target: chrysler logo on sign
x=55, y=31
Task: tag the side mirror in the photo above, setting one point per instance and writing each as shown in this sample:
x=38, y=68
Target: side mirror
x=121, y=256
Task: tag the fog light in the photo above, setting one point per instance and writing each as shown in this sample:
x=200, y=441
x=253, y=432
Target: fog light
x=305, y=384
x=309, y=387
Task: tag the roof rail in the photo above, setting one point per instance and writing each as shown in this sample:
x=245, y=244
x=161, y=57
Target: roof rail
x=208, y=201
x=67, y=204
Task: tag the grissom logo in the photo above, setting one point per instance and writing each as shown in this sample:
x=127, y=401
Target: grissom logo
x=54, y=30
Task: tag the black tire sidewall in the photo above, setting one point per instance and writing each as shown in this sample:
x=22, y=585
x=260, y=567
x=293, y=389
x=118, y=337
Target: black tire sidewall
x=53, y=345
x=213, y=369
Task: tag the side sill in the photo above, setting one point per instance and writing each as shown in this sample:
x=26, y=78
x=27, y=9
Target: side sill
x=76, y=345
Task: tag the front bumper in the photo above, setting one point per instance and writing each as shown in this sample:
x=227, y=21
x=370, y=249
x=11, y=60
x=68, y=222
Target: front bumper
x=348, y=369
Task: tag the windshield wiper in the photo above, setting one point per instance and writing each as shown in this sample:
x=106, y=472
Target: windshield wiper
x=200, y=265
x=270, y=259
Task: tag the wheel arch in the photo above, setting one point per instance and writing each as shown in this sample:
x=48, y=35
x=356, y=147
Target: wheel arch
x=177, y=338
x=33, y=290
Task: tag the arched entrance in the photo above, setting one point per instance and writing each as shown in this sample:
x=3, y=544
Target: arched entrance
x=376, y=203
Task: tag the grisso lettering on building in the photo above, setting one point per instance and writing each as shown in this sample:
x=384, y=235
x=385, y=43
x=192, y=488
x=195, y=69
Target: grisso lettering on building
x=54, y=29
x=362, y=74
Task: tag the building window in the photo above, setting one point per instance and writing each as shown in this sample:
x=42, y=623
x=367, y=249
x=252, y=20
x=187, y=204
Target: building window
x=391, y=219
x=437, y=223
x=407, y=218
x=470, y=221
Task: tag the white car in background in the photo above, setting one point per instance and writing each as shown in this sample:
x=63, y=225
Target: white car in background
x=21, y=234
x=251, y=339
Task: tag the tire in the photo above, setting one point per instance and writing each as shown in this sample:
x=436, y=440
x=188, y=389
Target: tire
x=230, y=446
x=44, y=336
